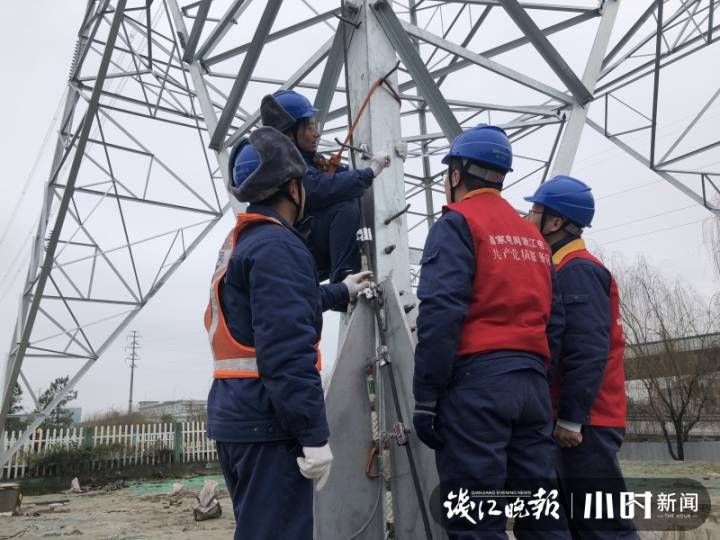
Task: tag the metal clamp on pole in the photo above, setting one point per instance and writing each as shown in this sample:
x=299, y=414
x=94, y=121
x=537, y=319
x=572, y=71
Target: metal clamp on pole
x=346, y=20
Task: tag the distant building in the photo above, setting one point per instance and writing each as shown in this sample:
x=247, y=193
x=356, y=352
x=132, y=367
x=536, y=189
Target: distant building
x=181, y=410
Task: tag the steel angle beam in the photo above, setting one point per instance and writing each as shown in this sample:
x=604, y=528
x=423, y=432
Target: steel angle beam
x=575, y=123
x=71, y=134
x=246, y=70
x=348, y=413
x=418, y=70
x=484, y=62
x=296, y=77
x=206, y=105
x=630, y=33
x=198, y=25
x=662, y=174
x=15, y=360
x=222, y=28
x=333, y=67
x=521, y=109
x=541, y=43
x=307, y=23
x=542, y=6
x=490, y=53
x=668, y=22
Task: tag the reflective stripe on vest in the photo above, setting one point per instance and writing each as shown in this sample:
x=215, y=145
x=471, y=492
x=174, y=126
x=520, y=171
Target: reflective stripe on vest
x=232, y=359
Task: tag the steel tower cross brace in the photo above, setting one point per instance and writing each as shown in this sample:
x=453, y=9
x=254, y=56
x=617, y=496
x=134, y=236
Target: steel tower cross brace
x=105, y=261
x=15, y=358
x=576, y=117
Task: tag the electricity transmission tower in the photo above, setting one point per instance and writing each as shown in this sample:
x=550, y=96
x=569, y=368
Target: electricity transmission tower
x=132, y=358
x=124, y=206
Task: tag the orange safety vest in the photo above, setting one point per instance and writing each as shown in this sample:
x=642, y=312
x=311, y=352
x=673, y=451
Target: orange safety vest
x=610, y=406
x=232, y=359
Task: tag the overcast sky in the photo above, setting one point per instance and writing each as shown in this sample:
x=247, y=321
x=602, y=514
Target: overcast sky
x=638, y=214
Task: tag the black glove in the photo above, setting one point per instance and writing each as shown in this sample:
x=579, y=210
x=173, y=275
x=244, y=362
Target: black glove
x=424, y=423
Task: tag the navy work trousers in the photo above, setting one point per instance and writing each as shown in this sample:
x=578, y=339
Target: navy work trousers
x=593, y=466
x=333, y=239
x=497, y=431
x=271, y=499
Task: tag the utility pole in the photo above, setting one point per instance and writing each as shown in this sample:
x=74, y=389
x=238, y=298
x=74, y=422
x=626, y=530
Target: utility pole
x=132, y=358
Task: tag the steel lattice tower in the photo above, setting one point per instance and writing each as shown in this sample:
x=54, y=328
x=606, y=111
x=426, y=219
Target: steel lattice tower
x=123, y=208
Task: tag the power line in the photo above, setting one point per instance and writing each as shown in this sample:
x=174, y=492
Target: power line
x=629, y=189
x=593, y=232
x=15, y=268
x=31, y=174
x=653, y=232
x=9, y=284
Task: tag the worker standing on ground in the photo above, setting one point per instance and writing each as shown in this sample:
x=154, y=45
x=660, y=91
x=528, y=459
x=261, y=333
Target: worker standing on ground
x=332, y=197
x=266, y=407
x=588, y=385
x=486, y=320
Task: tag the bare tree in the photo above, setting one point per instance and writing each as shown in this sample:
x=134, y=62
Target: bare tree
x=711, y=233
x=674, y=351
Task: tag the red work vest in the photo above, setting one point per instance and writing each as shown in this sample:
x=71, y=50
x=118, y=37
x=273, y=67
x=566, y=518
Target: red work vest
x=610, y=407
x=512, y=287
x=232, y=359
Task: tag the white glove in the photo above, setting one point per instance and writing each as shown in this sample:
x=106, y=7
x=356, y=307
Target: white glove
x=356, y=283
x=401, y=149
x=316, y=464
x=379, y=161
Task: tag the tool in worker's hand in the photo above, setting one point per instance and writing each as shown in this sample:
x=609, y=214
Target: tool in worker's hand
x=364, y=150
x=378, y=160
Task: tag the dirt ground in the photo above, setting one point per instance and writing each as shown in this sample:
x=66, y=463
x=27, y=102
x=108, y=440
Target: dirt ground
x=141, y=511
x=145, y=511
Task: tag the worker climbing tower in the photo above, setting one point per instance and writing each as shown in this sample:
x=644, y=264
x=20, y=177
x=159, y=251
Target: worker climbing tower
x=123, y=209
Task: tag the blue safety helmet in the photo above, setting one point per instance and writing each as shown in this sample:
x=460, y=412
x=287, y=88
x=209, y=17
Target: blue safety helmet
x=569, y=197
x=296, y=105
x=484, y=145
x=246, y=161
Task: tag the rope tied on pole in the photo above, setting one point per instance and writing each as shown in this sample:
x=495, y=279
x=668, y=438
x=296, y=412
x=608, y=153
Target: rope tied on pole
x=380, y=82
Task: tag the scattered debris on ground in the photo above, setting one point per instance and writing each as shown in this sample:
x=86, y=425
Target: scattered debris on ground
x=207, y=505
x=140, y=510
x=75, y=486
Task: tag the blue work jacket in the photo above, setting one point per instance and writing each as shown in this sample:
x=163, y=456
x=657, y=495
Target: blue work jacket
x=444, y=291
x=271, y=301
x=323, y=189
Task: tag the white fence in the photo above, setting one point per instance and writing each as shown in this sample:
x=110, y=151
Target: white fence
x=107, y=447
